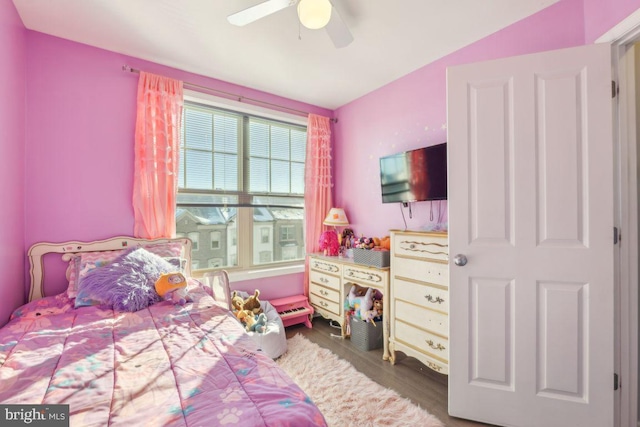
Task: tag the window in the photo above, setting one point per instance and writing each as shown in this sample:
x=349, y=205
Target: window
x=287, y=233
x=195, y=238
x=242, y=175
x=215, y=239
x=265, y=233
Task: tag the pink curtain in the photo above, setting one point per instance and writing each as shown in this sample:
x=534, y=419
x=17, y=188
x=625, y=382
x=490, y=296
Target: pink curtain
x=157, y=144
x=317, y=184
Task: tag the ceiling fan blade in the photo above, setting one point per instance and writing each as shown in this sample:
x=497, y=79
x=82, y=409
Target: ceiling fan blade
x=338, y=30
x=258, y=11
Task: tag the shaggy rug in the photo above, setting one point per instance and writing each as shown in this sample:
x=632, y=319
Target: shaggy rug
x=346, y=396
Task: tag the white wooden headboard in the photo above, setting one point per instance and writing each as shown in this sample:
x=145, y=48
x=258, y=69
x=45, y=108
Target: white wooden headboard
x=38, y=250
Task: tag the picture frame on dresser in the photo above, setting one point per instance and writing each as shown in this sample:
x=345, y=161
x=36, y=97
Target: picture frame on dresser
x=331, y=278
x=419, y=297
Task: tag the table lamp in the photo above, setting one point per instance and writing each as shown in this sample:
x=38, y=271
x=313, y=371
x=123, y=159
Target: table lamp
x=336, y=218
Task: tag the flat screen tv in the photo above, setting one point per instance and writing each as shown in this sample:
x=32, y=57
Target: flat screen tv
x=414, y=176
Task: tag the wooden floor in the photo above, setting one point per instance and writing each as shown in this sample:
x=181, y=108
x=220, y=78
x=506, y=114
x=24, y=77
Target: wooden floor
x=408, y=377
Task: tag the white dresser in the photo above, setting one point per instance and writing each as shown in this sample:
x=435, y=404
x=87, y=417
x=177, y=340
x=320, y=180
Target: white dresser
x=330, y=280
x=420, y=297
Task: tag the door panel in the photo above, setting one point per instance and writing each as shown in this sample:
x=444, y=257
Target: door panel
x=530, y=157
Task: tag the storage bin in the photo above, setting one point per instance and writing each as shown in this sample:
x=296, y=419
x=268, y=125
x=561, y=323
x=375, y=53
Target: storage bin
x=364, y=335
x=371, y=257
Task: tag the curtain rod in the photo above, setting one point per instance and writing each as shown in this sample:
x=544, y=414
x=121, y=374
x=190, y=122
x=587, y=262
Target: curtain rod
x=229, y=95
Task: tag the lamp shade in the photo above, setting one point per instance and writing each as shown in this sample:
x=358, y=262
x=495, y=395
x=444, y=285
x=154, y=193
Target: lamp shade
x=336, y=217
x=314, y=14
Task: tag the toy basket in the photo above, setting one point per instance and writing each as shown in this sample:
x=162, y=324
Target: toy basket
x=364, y=335
x=371, y=257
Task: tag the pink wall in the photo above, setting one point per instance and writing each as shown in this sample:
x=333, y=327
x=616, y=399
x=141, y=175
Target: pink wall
x=80, y=147
x=12, y=168
x=80, y=110
x=601, y=15
x=411, y=112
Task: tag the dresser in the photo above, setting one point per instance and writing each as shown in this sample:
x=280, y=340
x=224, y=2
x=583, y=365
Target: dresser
x=331, y=278
x=419, y=299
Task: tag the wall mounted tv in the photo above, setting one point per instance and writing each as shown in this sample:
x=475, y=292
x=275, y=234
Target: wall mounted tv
x=415, y=175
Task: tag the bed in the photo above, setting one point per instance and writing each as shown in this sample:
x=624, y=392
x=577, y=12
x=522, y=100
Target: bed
x=163, y=365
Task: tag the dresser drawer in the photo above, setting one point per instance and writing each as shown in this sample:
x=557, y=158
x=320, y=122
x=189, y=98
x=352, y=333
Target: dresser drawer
x=423, y=295
x=433, y=321
x=325, y=280
x=324, y=304
x=326, y=293
x=364, y=276
x=424, y=271
x=423, y=246
x=322, y=265
x=424, y=341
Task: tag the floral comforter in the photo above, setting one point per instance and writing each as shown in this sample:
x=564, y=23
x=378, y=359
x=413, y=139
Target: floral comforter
x=167, y=365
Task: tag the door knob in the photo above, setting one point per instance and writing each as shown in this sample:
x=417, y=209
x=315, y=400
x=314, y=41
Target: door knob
x=460, y=260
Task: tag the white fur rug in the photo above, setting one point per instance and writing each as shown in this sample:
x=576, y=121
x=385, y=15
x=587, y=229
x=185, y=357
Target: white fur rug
x=345, y=396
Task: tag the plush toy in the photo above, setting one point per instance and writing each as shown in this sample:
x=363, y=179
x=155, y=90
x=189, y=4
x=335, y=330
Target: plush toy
x=346, y=238
x=365, y=243
x=253, y=323
x=260, y=324
x=329, y=243
x=173, y=287
x=252, y=303
x=377, y=306
x=361, y=300
x=236, y=302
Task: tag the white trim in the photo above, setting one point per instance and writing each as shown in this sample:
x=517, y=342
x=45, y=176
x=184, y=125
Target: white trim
x=624, y=31
x=242, y=275
x=627, y=216
x=243, y=107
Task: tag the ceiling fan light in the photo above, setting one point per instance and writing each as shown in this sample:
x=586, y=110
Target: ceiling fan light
x=314, y=14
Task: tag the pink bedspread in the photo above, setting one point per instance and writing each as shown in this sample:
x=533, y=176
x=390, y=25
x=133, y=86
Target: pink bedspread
x=165, y=365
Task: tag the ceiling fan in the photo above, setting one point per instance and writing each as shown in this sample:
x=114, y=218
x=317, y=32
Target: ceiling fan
x=313, y=14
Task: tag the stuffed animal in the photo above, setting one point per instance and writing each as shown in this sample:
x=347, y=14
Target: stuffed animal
x=346, y=238
x=253, y=323
x=236, y=302
x=173, y=287
x=377, y=306
x=252, y=303
x=260, y=324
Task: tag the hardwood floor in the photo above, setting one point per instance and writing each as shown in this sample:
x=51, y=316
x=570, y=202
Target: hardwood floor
x=408, y=377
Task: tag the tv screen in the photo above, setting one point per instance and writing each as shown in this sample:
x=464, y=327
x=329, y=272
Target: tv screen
x=415, y=175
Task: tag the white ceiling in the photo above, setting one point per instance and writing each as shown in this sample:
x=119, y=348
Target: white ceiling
x=276, y=54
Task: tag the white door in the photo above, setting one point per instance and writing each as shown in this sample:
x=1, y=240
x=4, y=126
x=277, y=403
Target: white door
x=531, y=207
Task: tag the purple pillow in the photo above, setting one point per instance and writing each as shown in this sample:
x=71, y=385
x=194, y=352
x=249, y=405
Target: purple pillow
x=126, y=284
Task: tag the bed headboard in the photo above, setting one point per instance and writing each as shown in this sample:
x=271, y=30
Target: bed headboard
x=38, y=250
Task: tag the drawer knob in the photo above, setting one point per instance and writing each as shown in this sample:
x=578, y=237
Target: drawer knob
x=324, y=304
x=436, y=300
x=323, y=292
x=324, y=280
x=435, y=346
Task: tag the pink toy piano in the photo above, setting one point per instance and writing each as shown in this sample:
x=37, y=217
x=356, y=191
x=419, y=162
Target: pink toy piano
x=293, y=310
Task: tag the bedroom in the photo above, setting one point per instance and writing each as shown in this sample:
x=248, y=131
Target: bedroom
x=64, y=155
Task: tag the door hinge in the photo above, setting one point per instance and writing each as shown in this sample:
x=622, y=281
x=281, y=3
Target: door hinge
x=616, y=382
x=616, y=236
x=614, y=89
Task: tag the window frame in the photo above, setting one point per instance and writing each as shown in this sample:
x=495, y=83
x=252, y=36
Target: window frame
x=245, y=269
